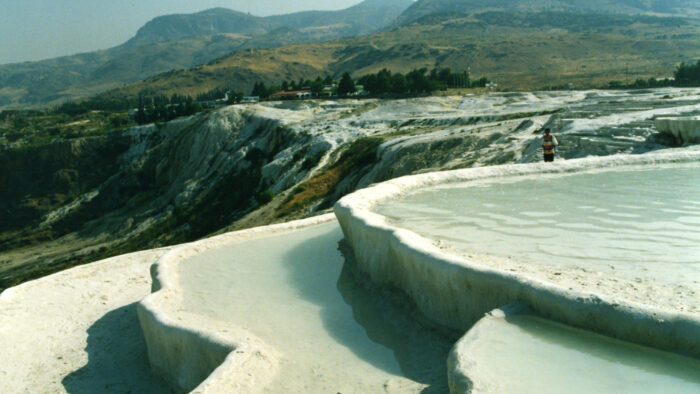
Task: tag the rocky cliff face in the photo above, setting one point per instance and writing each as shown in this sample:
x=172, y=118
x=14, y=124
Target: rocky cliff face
x=36, y=180
x=150, y=186
x=80, y=200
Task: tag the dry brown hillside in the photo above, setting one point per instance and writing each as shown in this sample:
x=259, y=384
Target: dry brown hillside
x=518, y=51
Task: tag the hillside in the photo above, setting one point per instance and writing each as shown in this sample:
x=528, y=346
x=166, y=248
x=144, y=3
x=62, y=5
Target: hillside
x=517, y=50
x=88, y=196
x=180, y=41
x=522, y=50
x=206, y=23
x=359, y=19
x=423, y=8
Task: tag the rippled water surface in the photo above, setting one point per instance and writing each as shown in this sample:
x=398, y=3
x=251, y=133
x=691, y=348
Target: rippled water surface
x=540, y=356
x=334, y=334
x=628, y=220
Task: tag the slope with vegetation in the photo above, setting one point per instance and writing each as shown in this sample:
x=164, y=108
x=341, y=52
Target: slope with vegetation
x=181, y=41
x=93, y=191
x=517, y=50
x=523, y=45
x=422, y=8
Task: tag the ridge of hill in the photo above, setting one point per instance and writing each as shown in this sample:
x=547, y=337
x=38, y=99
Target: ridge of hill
x=363, y=17
x=519, y=49
x=527, y=50
x=205, y=23
x=423, y=8
x=174, y=42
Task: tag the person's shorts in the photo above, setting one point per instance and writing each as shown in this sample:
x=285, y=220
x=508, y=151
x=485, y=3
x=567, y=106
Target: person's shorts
x=548, y=157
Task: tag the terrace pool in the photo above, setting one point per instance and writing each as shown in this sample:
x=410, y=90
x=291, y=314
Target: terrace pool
x=528, y=354
x=335, y=333
x=640, y=223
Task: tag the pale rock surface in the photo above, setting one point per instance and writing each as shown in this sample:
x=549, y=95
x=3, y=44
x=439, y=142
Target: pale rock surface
x=77, y=330
x=456, y=291
x=685, y=130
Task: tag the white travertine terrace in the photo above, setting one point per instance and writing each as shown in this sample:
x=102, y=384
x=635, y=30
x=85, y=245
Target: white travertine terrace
x=513, y=351
x=204, y=355
x=200, y=354
x=683, y=129
x=456, y=292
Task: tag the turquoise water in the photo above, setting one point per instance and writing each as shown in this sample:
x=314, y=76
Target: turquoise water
x=631, y=221
x=295, y=292
x=527, y=354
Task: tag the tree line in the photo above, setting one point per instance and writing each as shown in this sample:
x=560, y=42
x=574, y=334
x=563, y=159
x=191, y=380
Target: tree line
x=384, y=82
x=417, y=81
x=149, y=109
x=315, y=86
x=163, y=108
x=685, y=75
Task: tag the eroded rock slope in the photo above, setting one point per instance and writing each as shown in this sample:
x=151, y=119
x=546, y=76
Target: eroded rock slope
x=80, y=200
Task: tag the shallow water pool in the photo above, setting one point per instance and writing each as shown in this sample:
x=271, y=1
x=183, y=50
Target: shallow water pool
x=630, y=222
x=294, y=291
x=527, y=354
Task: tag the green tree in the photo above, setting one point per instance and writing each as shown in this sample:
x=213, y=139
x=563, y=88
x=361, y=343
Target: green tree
x=141, y=117
x=481, y=82
x=260, y=90
x=399, y=83
x=369, y=82
x=317, y=86
x=235, y=97
x=384, y=81
x=688, y=74
x=346, y=85
x=418, y=82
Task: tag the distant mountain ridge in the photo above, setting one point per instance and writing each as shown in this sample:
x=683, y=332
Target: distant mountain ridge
x=173, y=42
x=461, y=34
x=423, y=8
x=209, y=22
x=365, y=15
x=363, y=18
x=519, y=50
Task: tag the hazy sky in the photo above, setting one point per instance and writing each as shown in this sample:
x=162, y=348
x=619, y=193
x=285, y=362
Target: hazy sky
x=43, y=29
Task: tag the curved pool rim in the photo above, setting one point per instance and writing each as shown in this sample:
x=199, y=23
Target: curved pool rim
x=457, y=292
x=199, y=354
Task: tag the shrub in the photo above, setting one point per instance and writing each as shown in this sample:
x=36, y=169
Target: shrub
x=311, y=161
x=264, y=197
x=256, y=156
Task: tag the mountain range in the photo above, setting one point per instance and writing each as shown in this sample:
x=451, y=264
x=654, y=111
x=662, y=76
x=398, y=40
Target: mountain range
x=363, y=18
x=174, y=42
x=518, y=50
x=522, y=44
x=423, y=8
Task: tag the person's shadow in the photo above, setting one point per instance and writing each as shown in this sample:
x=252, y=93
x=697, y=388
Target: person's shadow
x=117, y=359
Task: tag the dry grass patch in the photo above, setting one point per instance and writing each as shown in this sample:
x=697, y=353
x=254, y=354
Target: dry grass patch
x=358, y=155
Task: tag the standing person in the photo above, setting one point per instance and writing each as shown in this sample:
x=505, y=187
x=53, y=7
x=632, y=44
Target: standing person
x=549, y=143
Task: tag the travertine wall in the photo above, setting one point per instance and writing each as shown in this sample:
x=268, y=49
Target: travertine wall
x=684, y=130
x=196, y=353
x=456, y=292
